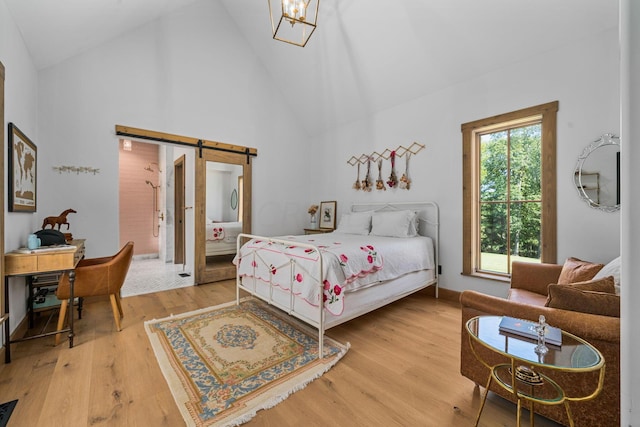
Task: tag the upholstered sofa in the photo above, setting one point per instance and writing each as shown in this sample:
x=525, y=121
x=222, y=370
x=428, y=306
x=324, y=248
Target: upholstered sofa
x=526, y=300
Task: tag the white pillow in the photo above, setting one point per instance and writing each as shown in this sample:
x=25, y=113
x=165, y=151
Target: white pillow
x=414, y=225
x=393, y=224
x=611, y=269
x=355, y=223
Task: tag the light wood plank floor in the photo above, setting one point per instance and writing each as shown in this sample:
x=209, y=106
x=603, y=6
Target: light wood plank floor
x=401, y=370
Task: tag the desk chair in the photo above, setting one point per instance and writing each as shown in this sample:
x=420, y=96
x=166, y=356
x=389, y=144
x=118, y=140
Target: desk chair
x=97, y=276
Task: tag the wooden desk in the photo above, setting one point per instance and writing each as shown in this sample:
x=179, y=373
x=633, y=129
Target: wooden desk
x=39, y=261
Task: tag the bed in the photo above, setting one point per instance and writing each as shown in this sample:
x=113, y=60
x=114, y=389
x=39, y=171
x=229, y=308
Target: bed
x=221, y=237
x=379, y=253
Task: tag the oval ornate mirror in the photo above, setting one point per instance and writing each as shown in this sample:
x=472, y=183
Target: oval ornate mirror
x=597, y=173
x=234, y=199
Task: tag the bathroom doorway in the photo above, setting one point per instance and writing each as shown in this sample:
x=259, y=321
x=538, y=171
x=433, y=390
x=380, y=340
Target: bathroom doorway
x=150, y=215
x=141, y=197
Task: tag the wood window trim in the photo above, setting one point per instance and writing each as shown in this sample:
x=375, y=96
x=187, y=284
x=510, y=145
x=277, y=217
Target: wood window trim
x=548, y=114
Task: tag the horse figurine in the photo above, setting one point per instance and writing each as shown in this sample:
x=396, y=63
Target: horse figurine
x=59, y=220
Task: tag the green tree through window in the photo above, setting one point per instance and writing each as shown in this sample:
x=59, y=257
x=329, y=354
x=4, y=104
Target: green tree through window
x=509, y=190
x=510, y=197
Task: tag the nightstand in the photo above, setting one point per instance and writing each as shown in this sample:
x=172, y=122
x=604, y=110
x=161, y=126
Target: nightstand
x=318, y=230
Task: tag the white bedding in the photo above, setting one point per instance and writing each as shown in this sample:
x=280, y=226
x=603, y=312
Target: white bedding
x=399, y=255
x=350, y=262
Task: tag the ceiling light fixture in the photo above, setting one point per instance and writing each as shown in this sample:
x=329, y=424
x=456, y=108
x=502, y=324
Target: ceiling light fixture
x=301, y=15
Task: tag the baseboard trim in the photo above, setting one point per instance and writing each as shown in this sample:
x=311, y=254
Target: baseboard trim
x=22, y=329
x=448, y=295
x=19, y=332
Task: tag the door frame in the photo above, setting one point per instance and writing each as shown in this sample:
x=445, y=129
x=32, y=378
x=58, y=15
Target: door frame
x=203, y=274
x=179, y=256
x=212, y=151
x=4, y=306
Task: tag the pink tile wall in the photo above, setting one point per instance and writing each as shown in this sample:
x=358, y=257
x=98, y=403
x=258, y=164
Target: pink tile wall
x=136, y=197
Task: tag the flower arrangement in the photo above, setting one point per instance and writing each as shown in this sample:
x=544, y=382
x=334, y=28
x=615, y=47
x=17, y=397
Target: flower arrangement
x=312, y=211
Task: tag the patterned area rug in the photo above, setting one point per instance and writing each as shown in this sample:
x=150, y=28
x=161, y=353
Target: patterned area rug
x=225, y=363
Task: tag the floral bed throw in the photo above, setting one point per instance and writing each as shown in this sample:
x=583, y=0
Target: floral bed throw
x=223, y=231
x=348, y=261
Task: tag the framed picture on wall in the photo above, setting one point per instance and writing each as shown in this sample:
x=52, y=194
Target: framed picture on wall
x=22, y=171
x=328, y=215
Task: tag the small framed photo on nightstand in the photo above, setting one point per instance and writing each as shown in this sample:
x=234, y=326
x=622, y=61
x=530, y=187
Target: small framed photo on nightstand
x=328, y=215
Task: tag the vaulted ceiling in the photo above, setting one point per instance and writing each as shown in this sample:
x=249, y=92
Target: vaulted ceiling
x=365, y=56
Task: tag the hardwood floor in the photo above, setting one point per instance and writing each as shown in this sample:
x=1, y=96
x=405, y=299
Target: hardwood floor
x=401, y=370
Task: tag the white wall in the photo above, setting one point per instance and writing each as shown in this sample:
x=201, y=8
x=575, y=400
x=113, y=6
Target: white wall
x=21, y=107
x=583, y=77
x=188, y=74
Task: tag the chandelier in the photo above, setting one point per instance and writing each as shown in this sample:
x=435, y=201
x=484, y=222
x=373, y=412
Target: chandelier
x=293, y=21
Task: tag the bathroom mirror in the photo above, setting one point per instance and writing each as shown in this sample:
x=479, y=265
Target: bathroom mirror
x=597, y=173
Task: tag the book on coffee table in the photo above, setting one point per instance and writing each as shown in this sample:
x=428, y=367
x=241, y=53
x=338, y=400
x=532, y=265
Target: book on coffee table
x=525, y=328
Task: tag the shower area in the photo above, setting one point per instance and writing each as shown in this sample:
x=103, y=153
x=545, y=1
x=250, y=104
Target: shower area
x=142, y=193
x=157, y=215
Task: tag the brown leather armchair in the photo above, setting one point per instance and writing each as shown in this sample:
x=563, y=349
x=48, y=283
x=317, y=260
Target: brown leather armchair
x=94, y=277
x=526, y=300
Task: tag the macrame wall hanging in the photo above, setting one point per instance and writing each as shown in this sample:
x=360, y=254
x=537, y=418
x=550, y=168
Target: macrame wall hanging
x=404, y=183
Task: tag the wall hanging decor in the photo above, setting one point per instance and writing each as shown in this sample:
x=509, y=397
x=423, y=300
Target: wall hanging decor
x=357, y=185
x=23, y=156
x=76, y=169
x=367, y=184
x=403, y=183
x=379, y=182
x=393, y=179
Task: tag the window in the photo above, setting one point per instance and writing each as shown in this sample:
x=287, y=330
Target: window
x=509, y=191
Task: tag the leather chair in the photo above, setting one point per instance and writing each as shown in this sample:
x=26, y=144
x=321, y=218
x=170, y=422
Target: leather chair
x=94, y=277
x=526, y=300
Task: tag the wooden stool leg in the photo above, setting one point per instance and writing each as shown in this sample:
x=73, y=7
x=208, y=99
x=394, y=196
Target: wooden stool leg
x=61, y=317
x=116, y=313
x=119, y=305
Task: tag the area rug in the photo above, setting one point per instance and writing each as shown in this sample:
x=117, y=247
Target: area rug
x=225, y=363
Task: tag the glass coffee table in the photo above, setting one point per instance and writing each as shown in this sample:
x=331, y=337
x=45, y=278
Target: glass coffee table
x=520, y=375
